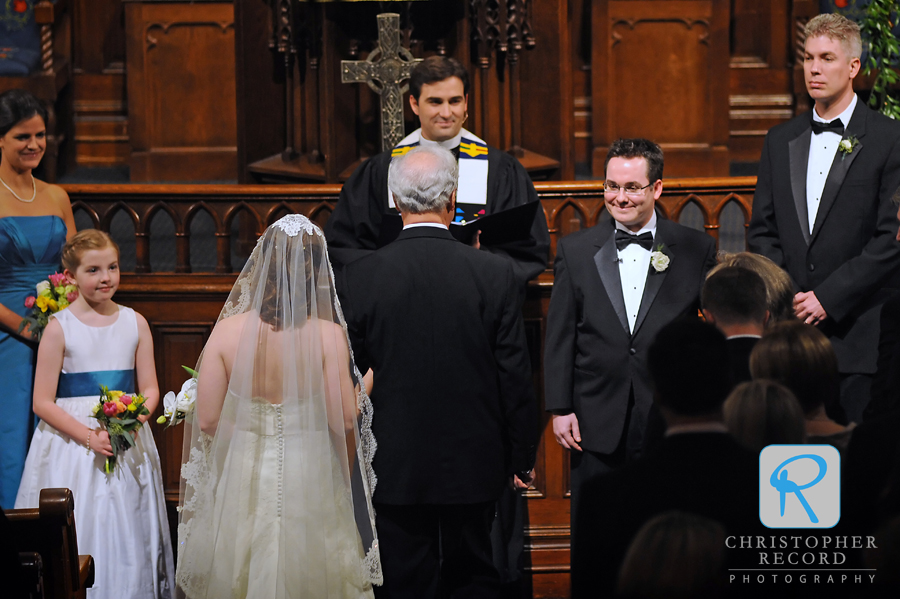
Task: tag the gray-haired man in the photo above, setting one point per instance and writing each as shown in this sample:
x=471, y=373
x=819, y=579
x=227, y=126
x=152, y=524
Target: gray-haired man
x=456, y=418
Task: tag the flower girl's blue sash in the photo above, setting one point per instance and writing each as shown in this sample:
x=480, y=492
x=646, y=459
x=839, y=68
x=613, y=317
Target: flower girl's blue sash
x=80, y=384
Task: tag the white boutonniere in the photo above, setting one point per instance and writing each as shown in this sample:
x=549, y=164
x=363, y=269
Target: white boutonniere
x=658, y=260
x=848, y=145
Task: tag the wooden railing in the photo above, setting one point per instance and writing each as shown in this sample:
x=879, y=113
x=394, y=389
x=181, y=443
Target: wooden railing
x=568, y=206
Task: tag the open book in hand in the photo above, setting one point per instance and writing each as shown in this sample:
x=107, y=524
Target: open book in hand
x=499, y=228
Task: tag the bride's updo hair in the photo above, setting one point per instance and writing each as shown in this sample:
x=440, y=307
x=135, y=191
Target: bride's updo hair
x=271, y=310
x=89, y=239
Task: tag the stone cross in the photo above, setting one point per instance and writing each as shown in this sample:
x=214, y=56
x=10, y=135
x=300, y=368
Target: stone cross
x=383, y=70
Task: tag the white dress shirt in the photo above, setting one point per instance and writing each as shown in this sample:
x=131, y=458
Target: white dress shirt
x=822, y=148
x=435, y=225
x=634, y=266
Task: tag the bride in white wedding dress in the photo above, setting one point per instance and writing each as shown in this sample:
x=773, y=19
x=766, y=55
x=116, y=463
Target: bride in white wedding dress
x=277, y=478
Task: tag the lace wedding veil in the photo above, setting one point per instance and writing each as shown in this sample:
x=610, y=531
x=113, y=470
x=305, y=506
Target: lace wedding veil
x=277, y=473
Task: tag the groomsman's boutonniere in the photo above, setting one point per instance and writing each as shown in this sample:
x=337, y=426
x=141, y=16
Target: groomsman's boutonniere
x=848, y=145
x=658, y=260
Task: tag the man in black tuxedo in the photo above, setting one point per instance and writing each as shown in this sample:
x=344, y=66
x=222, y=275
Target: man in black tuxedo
x=616, y=285
x=734, y=299
x=822, y=208
x=698, y=468
x=455, y=418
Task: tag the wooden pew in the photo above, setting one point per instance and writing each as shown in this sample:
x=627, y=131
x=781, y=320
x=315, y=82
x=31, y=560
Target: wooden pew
x=49, y=531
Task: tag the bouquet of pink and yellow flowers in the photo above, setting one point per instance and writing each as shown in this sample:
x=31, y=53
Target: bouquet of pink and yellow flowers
x=118, y=413
x=51, y=295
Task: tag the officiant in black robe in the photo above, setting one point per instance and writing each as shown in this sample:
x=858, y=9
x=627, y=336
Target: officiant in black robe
x=490, y=180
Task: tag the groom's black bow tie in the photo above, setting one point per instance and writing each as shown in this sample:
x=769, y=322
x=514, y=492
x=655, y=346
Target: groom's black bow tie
x=835, y=126
x=645, y=240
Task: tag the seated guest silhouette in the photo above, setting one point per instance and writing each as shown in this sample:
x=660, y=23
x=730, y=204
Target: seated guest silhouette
x=761, y=413
x=675, y=555
x=779, y=289
x=734, y=299
x=800, y=357
x=697, y=468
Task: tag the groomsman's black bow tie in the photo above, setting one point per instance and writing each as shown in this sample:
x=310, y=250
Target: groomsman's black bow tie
x=645, y=240
x=835, y=126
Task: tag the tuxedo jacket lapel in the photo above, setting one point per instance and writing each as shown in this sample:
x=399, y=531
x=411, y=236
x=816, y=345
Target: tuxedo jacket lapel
x=607, y=261
x=798, y=152
x=654, y=279
x=840, y=166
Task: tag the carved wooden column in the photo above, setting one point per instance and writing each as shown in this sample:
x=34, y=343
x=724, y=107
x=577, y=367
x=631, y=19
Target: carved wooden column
x=500, y=33
x=295, y=122
x=660, y=70
x=298, y=34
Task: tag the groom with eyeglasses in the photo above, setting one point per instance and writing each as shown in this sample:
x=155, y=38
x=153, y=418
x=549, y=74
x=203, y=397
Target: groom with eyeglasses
x=615, y=286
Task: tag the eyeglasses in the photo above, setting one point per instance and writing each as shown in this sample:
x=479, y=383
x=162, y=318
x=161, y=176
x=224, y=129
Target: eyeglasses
x=612, y=189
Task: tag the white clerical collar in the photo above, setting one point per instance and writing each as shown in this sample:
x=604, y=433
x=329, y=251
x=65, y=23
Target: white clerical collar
x=435, y=225
x=844, y=116
x=649, y=227
x=447, y=144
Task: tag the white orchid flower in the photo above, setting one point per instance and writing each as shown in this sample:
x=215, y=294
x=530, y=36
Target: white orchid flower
x=178, y=407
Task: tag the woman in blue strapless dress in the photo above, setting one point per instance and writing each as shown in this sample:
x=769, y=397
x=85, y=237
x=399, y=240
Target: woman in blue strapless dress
x=35, y=221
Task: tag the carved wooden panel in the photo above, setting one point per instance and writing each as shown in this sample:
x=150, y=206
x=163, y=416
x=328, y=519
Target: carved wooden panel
x=99, y=36
x=181, y=94
x=748, y=31
x=175, y=344
x=660, y=71
x=682, y=53
x=547, y=87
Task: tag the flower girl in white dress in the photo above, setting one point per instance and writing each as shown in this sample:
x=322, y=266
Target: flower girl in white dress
x=120, y=517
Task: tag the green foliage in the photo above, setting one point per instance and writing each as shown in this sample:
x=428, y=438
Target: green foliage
x=884, y=49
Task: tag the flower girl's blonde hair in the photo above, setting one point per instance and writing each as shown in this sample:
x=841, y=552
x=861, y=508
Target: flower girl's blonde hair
x=89, y=239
